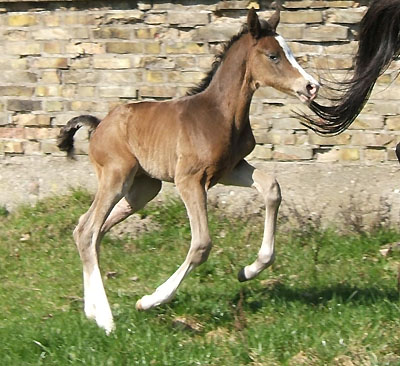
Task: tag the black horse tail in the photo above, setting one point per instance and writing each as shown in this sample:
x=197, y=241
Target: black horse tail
x=65, y=140
x=379, y=44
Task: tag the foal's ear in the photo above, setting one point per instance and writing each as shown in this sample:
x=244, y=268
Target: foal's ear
x=275, y=18
x=253, y=23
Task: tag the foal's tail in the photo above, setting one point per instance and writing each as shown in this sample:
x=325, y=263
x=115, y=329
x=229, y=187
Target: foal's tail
x=379, y=43
x=65, y=140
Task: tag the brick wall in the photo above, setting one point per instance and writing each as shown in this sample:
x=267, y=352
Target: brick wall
x=61, y=59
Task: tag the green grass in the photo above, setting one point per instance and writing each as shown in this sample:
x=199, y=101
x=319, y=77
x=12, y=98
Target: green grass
x=329, y=299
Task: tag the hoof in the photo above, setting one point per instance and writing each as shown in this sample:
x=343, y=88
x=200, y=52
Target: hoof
x=242, y=276
x=139, y=306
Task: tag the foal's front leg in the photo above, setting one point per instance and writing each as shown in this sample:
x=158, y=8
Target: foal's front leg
x=245, y=175
x=194, y=196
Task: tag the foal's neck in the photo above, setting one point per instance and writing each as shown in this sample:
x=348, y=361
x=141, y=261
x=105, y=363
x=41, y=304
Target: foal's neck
x=231, y=85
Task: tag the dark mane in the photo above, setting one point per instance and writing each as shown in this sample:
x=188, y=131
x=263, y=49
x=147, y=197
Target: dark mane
x=221, y=55
x=379, y=44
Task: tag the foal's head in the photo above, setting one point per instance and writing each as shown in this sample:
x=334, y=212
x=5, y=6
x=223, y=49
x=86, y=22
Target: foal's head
x=271, y=62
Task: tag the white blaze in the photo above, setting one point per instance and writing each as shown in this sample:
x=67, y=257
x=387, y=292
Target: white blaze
x=290, y=57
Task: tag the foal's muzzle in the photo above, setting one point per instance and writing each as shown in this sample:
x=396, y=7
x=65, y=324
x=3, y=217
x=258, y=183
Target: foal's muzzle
x=309, y=94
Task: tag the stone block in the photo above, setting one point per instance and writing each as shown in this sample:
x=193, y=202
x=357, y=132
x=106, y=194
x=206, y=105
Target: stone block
x=367, y=122
x=12, y=63
x=20, y=105
x=331, y=62
x=301, y=17
x=372, y=139
x=152, y=48
x=31, y=148
x=83, y=48
x=155, y=76
x=50, y=20
x=80, y=105
x=325, y=33
x=262, y=152
x=81, y=77
x=346, y=16
x=155, y=18
x=80, y=62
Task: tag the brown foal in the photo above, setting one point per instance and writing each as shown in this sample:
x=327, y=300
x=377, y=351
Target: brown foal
x=196, y=142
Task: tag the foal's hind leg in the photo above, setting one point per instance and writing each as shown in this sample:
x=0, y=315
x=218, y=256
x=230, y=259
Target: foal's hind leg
x=245, y=175
x=113, y=185
x=143, y=190
x=194, y=196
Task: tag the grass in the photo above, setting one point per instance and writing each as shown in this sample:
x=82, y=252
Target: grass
x=329, y=299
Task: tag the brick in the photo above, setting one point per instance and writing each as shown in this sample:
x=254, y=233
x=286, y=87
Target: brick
x=52, y=47
x=155, y=63
x=81, y=62
x=158, y=92
x=79, y=105
x=84, y=48
x=19, y=105
x=329, y=62
x=155, y=76
x=367, y=122
x=22, y=20
x=124, y=17
x=152, y=48
x=215, y=33
x=12, y=133
x=375, y=155
x=51, y=77
x=51, y=63
x=13, y=147
x=23, y=49
x=186, y=47
x=81, y=77
x=372, y=139
x=111, y=63
x=31, y=148
x=48, y=90
x=147, y=33
x=117, y=92
x=124, y=47
x=120, y=77
x=393, y=123
x=187, y=18
x=18, y=91
x=54, y=106
x=112, y=32
x=286, y=153
x=32, y=120
x=16, y=35
x=50, y=147
x=342, y=139
x=51, y=20
x=13, y=64
x=52, y=34
x=86, y=91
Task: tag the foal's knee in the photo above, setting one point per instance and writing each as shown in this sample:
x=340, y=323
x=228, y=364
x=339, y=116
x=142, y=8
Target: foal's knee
x=200, y=251
x=273, y=193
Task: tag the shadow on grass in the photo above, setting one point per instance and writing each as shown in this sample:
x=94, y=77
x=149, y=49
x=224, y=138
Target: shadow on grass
x=255, y=300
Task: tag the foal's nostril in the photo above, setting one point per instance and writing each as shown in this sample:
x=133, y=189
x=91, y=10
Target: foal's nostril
x=312, y=89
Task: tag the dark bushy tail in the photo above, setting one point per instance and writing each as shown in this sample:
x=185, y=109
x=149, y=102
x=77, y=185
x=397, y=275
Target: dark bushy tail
x=379, y=43
x=65, y=140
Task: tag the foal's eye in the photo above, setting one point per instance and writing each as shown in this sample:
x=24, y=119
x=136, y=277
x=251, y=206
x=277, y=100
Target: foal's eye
x=273, y=57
